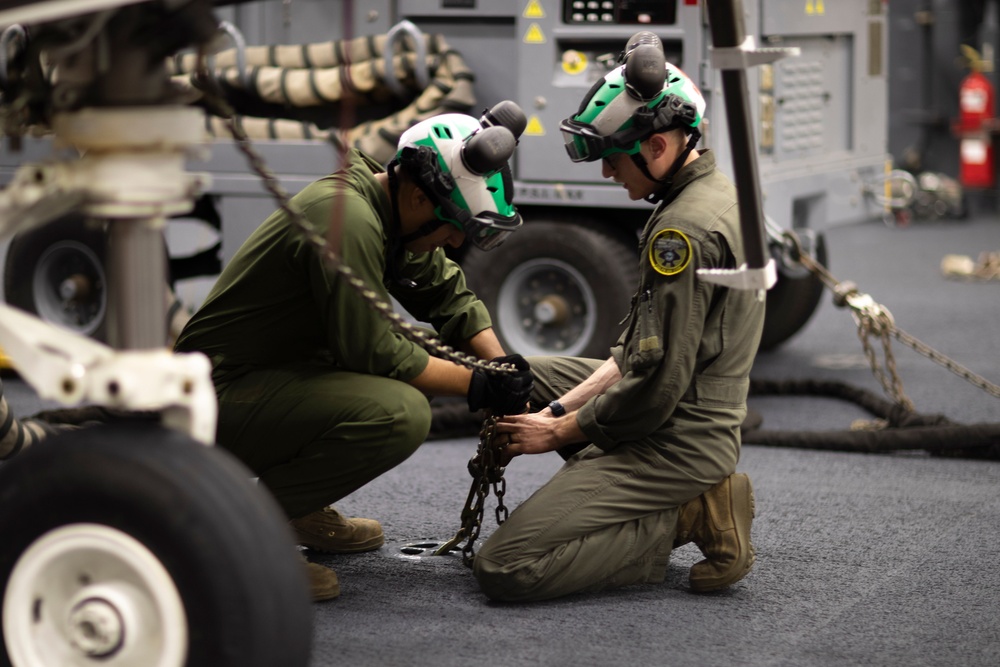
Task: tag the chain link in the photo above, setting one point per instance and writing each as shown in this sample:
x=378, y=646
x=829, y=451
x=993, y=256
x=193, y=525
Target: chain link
x=874, y=319
x=889, y=378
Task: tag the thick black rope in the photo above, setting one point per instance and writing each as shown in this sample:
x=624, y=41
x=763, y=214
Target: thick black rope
x=905, y=430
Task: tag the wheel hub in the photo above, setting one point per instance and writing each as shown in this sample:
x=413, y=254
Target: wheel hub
x=96, y=628
x=552, y=310
x=86, y=594
x=69, y=287
x=75, y=288
x=546, y=306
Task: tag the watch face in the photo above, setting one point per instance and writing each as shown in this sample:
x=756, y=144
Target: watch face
x=557, y=408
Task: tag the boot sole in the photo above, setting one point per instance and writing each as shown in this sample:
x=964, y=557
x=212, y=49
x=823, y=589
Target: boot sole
x=371, y=544
x=719, y=583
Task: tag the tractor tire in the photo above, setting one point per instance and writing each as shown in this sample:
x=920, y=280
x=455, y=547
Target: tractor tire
x=557, y=288
x=57, y=272
x=792, y=301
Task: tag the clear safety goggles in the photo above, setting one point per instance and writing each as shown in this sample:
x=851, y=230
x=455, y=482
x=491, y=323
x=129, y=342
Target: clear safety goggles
x=584, y=144
x=488, y=230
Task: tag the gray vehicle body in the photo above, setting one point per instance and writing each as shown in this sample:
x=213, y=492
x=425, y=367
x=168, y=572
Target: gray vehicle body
x=819, y=118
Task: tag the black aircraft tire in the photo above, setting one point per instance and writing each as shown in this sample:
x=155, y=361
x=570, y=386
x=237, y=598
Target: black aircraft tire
x=556, y=288
x=791, y=302
x=136, y=522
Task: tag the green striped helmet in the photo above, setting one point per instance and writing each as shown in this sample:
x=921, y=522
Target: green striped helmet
x=615, y=118
x=463, y=168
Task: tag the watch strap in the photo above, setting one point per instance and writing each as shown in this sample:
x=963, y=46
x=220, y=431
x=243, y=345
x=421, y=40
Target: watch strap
x=557, y=408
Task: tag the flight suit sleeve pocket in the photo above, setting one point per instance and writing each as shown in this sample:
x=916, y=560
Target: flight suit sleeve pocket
x=721, y=392
x=647, y=348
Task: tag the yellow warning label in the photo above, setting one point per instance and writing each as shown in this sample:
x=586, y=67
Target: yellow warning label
x=534, y=127
x=534, y=35
x=574, y=62
x=534, y=10
x=815, y=7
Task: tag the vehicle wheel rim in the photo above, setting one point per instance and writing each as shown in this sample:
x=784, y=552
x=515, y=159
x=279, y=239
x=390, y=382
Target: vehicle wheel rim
x=69, y=287
x=545, y=306
x=87, y=594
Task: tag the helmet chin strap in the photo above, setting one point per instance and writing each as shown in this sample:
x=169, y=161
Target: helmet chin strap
x=425, y=229
x=395, y=243
x=668, y=180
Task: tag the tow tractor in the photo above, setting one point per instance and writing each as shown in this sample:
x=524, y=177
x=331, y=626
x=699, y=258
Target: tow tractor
x=556, y=287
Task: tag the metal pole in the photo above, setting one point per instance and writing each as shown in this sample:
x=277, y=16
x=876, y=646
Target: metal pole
x=728, y=31
x=136, y=284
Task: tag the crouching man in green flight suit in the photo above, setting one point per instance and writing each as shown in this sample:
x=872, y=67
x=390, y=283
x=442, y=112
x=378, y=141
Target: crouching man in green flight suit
x=651, y=435
x=318, y=394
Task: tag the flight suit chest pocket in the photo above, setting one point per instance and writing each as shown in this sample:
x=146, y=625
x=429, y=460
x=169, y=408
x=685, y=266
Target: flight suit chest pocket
x=647, y=345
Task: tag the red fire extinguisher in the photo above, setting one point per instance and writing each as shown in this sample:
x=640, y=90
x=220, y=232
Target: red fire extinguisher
x=975, y=121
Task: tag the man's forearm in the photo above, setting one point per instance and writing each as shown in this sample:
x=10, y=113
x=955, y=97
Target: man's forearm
x=606, y=375
x=443, y=378
x=484, y=345
x=446, y=378
x=566, y=430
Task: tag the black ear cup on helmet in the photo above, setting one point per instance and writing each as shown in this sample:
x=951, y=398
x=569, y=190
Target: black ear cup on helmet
x=505, y=114
x=638, y=39
x=645, y=65
x=488, y=150
x=645, y=72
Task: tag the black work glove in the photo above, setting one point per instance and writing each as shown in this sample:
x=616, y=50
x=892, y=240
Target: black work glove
x=502, y=393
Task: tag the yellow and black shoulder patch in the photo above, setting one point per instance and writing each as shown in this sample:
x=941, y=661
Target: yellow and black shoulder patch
x=670, y=252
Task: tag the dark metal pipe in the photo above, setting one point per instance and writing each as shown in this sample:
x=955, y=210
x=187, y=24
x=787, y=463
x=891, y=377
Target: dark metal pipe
x=726, y=21
x=136, y=285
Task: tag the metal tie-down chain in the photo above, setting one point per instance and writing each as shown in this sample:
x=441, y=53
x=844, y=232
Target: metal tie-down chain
x=486, y=471
x=875, y=320
x=485, y=466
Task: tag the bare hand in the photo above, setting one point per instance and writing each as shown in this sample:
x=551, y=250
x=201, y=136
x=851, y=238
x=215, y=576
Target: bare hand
x=529, y=433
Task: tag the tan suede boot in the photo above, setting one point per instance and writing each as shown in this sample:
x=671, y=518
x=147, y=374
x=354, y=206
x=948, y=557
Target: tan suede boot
x=718, y=521
x=329, y=531
x=323, y=582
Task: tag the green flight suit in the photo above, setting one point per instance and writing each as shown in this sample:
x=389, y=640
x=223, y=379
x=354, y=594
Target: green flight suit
x=662, y=435
x=311, y=381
